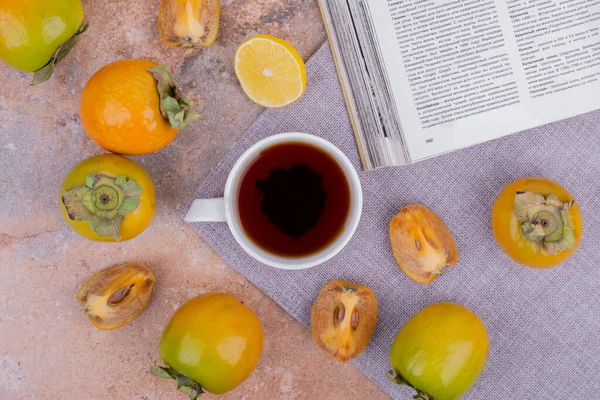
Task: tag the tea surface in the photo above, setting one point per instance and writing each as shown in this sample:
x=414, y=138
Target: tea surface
x=294, y=200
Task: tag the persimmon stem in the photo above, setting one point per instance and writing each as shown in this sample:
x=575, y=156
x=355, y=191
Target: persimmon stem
x=45, y=73
x=184, y=384
x=174, y=108
x=545, y=221
x=400, y=380
x=103, y=201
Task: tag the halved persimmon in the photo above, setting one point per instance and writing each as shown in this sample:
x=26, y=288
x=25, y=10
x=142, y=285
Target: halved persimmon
x=422, y=244
x=343, y=319
x=189, y=23
x=115, y=296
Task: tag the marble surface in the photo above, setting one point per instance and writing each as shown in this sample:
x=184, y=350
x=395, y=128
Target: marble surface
x=48, y=347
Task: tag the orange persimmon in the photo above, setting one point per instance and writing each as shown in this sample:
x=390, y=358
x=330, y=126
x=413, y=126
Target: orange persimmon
x=537, y=222
x=133, y=107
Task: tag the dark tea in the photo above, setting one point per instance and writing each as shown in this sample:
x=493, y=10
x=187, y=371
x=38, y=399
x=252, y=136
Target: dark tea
x=294, y=200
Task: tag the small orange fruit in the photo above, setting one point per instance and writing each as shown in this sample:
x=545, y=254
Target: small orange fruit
x=537, y=222
x=133, y=107
x=422, y=244
x=343, y=319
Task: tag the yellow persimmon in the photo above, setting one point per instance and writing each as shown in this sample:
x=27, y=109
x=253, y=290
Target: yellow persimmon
x=108, y=198
x=212, y=343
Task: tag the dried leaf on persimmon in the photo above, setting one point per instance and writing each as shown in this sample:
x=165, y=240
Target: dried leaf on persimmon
x=422, y=244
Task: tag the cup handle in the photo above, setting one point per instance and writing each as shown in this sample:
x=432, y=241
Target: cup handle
x=207, y=210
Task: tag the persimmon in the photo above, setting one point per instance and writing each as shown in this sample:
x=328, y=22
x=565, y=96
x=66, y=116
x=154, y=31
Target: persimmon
x=422, y=244
x=35, y=35
x=537, y=222
x=343, y=318
x=440, y=352
x=212, y=344
x=134, y=107
x=108, y=198
x=189, y=24
x=115, y=296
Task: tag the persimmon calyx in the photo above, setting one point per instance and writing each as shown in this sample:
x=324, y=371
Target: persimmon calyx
x=175, y=108
x=45, y=73
x=103, y=202
x=545, y=221
x=400, y=380
x=184, y=384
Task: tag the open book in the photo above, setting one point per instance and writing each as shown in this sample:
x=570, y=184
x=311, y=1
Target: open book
x=425, y=77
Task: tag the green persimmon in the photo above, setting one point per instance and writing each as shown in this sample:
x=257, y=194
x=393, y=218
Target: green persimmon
x=440, y=352
x=36, y=34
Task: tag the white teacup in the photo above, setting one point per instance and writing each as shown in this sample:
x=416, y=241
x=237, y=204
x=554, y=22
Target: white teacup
x=225, y=209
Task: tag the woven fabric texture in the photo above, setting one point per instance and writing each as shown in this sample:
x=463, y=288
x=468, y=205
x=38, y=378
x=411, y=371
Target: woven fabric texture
x=544, y=325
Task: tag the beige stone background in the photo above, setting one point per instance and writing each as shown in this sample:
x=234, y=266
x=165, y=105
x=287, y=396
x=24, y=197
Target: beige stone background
x=48, y=348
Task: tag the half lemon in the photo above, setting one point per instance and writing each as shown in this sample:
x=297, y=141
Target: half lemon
x=270, y=71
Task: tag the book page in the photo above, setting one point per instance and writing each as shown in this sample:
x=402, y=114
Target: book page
x=468, y=71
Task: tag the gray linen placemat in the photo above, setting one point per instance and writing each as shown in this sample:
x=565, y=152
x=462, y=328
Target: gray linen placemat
x=544, y=325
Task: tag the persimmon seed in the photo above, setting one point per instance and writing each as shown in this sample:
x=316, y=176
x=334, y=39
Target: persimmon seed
x=338, y=314
x=354, y=319
x=120, y=295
